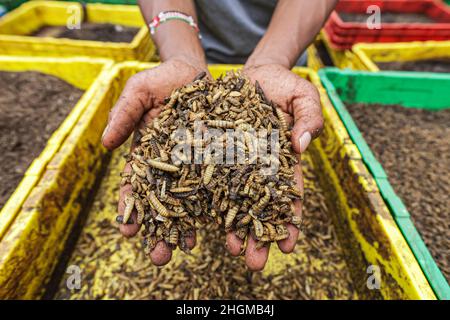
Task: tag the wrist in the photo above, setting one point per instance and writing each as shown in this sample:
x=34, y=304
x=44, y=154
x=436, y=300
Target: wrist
x=198, y=63
x=255, y=61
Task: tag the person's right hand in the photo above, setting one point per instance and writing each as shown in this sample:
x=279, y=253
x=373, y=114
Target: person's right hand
x=140, y=102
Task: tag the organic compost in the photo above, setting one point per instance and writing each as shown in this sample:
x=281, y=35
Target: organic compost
x=32, y=106
x=429, y=65
x=388, y=17
x=413, y=147
x=91, y=31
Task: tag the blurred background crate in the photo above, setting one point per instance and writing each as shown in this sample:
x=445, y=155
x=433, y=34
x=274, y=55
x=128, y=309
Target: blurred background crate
x=409, y=89
x=17, y=27
x=372, y=53
x=50, y=195
x=343, y=34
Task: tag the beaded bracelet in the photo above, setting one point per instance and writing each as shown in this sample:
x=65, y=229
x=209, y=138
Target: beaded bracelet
x=165, y=16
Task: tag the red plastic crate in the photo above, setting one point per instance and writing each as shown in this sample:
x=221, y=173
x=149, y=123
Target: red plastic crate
x=344, y=34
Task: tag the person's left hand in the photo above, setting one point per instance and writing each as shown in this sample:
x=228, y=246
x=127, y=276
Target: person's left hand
x=300, y=101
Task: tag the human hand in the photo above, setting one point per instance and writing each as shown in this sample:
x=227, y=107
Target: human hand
x=140, y=102
x=300, y=102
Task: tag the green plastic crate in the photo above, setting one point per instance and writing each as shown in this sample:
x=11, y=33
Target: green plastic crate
x=11, y=4
x=409, y=89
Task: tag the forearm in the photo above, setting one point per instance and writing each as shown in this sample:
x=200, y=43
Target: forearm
x=175, y=39
x=293, y=26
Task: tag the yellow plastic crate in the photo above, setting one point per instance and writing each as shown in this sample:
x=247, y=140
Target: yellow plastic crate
x=362, y=220
x=371, y=53
x=341, y=58
x=18, y=24
x=36, y=208
x=313, y=58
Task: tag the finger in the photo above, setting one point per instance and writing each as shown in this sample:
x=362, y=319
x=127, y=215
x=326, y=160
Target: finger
x=128, y=111
x=288, y=245
x=161, y=254
x=128, y=230
x=308, y=118
x=234, y=244
x=255, y=258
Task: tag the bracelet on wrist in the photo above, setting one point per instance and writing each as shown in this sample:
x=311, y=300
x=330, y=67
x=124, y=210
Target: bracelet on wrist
x=166, y=16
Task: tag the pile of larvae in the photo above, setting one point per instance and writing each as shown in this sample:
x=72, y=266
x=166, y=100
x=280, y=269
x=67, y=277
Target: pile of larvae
x=173, y=197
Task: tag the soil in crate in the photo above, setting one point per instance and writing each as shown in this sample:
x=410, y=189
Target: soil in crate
x=91, y=31
x=430, y=65
x=32, y=107
x=413, y=147
x=388, y=17
x=116, y=268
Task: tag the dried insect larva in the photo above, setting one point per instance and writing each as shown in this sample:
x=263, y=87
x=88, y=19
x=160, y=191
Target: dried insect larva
x=149, y=244
x=261, y=244
x=282, y=119
x=173, y=100
x=171, y=200
x=173, y=237
x=262, y=203
x=200, y=76
x=241, y=233
x=272, y=231
x=235, y=94
x=185, y=195
x=220, y=124
x=216, y=96
x=257, y=123
x=129, y=205
x=147, y=137
x=157, y=205
x=259, y=229
x=154, y=146
x=138, y=170
x=281, y=236
x=181, y=189
x=281, y=229
x=208, y=174
x=244, y=221
x=183, y=245
x=260, y=92
x=174, y=214
x=233, y=101
x=286, y=171
x=190, y=89
x=296, y=192
x=160, y=218
x=296, y=221
x=224, y=204
x=162, y=166
x=140, y=209
x=190, y=182
x=163, y=190
x=230, y=216
x=244, y=127
x=156, y=125
x=119, y=220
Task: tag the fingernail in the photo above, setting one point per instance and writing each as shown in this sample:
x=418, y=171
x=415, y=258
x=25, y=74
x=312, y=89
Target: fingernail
x=304, y=141
x=105, y=131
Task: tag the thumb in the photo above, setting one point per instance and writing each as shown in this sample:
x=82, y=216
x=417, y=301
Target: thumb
x=308, y=119
x=128, y=111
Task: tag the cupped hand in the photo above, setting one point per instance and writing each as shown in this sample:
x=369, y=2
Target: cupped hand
x=300, y=102
x=139, y=103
